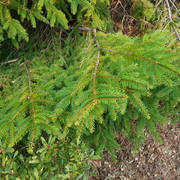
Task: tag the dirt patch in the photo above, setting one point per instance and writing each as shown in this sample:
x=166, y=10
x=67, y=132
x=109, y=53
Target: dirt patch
x=121, y=12
x=154, y=161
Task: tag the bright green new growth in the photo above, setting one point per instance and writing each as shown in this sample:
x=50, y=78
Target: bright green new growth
x=110, y=83
x=143, y=9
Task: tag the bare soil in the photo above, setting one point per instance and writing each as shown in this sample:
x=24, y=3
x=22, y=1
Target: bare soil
x=154, y=161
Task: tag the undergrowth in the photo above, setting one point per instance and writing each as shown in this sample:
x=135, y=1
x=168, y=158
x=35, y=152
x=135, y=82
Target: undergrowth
x=65, y=96
x=85, y=93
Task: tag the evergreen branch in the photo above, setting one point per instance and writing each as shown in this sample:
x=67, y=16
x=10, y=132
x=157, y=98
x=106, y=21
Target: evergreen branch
x=158, y=80
x=83, y=96
x=100, y=86
x=96, y=64
x=152, y=62
x=45, y=101
x=109, y=77
x=17, y=113
x=83, y=111
x=61, y=106
x=140, y=104
x=20, y=6
x=80, y=86
x=28, y=75
x=21, y=131
x=136, y=82
x=118, y=80
x=52, y=129
x=33, y=134
x=112, y=97
x=30, y=88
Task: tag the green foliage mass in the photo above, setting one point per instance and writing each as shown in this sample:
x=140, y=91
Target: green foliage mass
x=105, y=83
x=61, y=97
x=17, y=15
x=144, y=9
x=52, y=160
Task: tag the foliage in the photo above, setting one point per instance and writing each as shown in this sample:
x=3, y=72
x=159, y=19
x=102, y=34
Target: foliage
x=52, y=160
x=144, y=9
x=116, y=86
x=59, y=99
x=15, y=14
x=105, y=83
x=26, y=105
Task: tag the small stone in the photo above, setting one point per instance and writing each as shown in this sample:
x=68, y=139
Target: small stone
x=106, y=162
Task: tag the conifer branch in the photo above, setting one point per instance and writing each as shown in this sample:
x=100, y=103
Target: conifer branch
x=84, y=111
x=28, y=75
x=118, y=80
x=20, y=135
x=97, y=95
x=139, y=57
x=30, y=89
x=113, y=97
x=96, y=65
x=80, y=86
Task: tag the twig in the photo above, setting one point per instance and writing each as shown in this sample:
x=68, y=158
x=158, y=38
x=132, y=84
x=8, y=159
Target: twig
x=158, y=4
x=3, y=75
x=10, y=61
x=170, y=19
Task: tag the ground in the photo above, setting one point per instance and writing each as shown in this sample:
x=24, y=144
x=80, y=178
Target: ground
x=154, y=161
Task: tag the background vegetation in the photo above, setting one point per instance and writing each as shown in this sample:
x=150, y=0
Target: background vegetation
x=69, y=83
